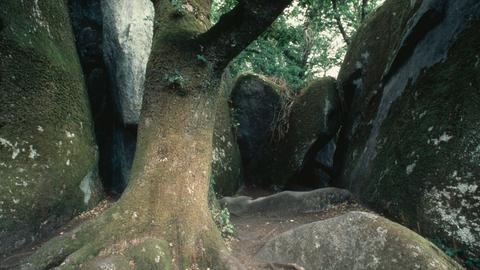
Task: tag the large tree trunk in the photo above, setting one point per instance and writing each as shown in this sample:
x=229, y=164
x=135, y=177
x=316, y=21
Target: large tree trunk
x=170, y=176
x=162, y=220
x=166, y=200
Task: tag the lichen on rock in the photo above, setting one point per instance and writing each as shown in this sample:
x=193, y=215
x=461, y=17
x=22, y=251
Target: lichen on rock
x=410, y=133
x=46, y=145
x=360, y=239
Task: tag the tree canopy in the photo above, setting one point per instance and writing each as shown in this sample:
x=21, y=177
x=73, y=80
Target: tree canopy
x=308, y=40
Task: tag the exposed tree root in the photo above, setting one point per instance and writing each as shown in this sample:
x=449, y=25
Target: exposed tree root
x=122, y=240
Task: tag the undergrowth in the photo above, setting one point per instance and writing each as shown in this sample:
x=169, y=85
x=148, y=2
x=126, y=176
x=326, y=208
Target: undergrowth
x=221, y=216
x=458, y=253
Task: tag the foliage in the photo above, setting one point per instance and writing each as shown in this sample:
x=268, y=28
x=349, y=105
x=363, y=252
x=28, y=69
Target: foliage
x=202, y=58
x=222, y=219
x=457, y=253
x=221, y=216
x=305, y=42
x=177, y=4
x=176, y=79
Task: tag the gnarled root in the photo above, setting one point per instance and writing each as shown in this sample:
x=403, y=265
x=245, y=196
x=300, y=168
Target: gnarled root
x=119, y=239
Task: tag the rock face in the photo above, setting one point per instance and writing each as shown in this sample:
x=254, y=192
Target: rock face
x=313, y=121
x=410, y=144
x=116, y=143
x=128, y=33
x=256, y=103
x=317, y=170
x=326, y=154
x=356, y=240
x=227, y=170
x=287, y=202
x=48, y=156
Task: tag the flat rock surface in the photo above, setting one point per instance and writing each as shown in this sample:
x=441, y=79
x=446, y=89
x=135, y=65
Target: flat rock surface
x=287, y=202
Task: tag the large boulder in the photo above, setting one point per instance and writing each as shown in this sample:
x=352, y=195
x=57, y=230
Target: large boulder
x=312, y=123
x=227, y=170
x=256, y=103
x=48, y=156
x=410, y=144
x=127, y=37
x=356, y=240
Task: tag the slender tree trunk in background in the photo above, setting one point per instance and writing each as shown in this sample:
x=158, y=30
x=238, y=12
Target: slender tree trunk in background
x=338, y=19
x=307, y=49
x=363, y=13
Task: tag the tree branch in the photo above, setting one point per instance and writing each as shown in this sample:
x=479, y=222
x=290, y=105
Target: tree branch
x=238, y=28
x=339, y=22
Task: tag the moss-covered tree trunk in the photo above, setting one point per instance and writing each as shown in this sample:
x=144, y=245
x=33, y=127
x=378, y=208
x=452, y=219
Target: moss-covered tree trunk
x=162, y=220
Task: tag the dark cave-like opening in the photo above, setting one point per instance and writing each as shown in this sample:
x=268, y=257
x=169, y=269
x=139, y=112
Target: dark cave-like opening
x=116, y=141
x=317, y=170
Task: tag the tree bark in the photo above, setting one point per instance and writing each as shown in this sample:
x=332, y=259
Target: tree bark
x=338, y=20
x=307, y=49
x=238, y=28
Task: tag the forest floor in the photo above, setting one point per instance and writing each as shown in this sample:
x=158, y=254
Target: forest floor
x=12, y=261
x=251, y=232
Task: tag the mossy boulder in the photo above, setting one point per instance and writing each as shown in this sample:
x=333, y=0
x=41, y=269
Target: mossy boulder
x=410, y=143
x=312, y=123
x=227, y=171
x=356, y=240
x=256, y=103
x=47, y=150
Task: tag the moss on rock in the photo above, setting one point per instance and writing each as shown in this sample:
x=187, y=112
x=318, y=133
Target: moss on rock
x=227, y=171
x=150, y=254
x=257, y=104
x=360, y=239
x=312, y=122
x=415, y=157
x=47, y=151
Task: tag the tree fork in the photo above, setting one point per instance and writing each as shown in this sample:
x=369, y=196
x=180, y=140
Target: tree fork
x=238, y=28
x=165, y=204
